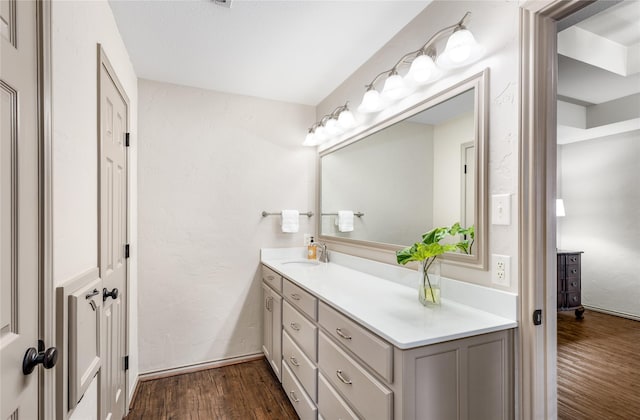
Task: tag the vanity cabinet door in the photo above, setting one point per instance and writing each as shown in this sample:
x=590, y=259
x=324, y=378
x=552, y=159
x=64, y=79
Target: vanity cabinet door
x=272, y=328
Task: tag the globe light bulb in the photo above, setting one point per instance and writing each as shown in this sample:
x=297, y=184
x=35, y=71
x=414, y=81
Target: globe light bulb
x=461, y=49
x=394, y=88
x=346, y=120
x=371, y=102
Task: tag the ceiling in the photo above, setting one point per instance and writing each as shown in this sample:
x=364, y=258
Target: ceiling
x=598, y=66
x=292, y=50
x=585, y=70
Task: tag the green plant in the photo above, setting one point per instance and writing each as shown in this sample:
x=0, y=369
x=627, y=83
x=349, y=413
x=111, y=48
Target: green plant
x=426, y=251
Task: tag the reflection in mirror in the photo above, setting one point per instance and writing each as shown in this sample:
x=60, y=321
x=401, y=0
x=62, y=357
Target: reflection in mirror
x=415, y=174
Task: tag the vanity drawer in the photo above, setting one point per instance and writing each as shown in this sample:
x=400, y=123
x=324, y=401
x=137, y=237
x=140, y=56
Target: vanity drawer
x=330, y=403
x=572, y=271
x=374, y=351
x=364, y=393
x=301, y=299
x=301, y=330
x=573, y=284
x=304, y=369
x=301, y=402
x=272, y=278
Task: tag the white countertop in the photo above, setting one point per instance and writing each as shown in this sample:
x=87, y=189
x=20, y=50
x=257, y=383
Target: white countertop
x=388, y=308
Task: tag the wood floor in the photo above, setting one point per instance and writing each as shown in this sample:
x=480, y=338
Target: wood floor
x=598, y=367
x=243, y=391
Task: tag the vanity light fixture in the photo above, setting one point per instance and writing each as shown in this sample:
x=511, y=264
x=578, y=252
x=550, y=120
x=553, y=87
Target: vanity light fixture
x=333, y=124
x=461, y=49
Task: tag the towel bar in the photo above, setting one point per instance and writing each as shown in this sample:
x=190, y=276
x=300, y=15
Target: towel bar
x=358, y=214
x=265, y=214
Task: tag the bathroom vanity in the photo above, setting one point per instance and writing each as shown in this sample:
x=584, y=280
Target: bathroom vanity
x=349, y=340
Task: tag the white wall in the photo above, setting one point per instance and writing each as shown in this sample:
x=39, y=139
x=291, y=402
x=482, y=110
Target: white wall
x=448, y=138
x=358, y=178
x=77, y=27
x=209, y=164
x=599, y=183
x=495, y=25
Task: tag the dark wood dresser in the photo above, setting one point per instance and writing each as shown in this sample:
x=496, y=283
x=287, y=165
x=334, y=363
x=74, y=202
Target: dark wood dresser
x=569, y=282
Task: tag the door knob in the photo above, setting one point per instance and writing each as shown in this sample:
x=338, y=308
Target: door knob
x=106, y=294
x=32, y=358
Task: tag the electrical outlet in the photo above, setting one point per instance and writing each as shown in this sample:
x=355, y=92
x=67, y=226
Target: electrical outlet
x=307, y=239
x=501, y=270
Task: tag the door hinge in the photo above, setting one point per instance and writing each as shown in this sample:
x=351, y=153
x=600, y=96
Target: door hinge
x=465, y=169
x=126, y=362
x=126, y=140
x=126, y=251
x=537, y=317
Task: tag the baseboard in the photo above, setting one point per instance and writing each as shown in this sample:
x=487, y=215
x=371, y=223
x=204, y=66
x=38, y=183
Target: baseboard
x=610, y=312
x=165, y=373
x=134, y=394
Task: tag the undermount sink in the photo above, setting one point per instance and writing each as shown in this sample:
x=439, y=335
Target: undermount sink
x=303, y=262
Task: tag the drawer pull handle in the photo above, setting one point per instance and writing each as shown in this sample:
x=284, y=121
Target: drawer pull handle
x=295, y=296
x=270, y=278
x=294, y=362
x=293, y=395
x=342, y=378
x=343, y=335
x=295, y=326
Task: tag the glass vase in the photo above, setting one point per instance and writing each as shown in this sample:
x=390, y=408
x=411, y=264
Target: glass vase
x=429, y=282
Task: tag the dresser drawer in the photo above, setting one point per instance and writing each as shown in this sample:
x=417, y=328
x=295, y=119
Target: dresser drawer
x=301, y=299
x=303, y=368
x=363, y=392
x=573, y=299
x=573, y=284
x=572, y=259
x=374, y=351
x=330, y=404
x=301, y=402
x=303, y=332
x=272, y=278
x=572, y=271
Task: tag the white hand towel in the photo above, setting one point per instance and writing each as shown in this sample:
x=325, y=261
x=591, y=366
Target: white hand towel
x=290, y=221
x=345, y=220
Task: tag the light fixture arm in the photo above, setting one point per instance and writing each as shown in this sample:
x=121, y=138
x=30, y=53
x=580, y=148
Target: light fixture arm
x=424, y=50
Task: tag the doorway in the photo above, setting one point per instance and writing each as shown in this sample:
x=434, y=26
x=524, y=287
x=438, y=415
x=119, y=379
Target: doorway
x=598, y=147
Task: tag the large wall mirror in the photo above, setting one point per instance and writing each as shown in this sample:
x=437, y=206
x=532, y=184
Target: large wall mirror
x=421, y=169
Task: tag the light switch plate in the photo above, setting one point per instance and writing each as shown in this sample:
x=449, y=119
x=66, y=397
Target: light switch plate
x=501, y=209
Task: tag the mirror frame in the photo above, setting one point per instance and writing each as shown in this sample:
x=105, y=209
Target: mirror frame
x=479, y=82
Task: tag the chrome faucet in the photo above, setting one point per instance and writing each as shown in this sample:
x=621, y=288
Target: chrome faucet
x=324, y=252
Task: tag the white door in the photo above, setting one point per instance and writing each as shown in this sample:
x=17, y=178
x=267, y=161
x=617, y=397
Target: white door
x=19, y=261
x=113, y=237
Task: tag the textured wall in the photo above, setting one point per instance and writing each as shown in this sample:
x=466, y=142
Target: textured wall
x=210, y=163
x=495, y=25
x=598, y=181
x=77, y=27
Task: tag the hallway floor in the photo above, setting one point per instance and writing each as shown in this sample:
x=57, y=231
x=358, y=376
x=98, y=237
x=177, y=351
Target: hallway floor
x=239, y=392
x=598, y=367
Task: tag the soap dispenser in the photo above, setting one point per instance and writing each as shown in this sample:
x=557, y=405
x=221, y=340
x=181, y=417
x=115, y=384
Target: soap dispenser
x=312, y=250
